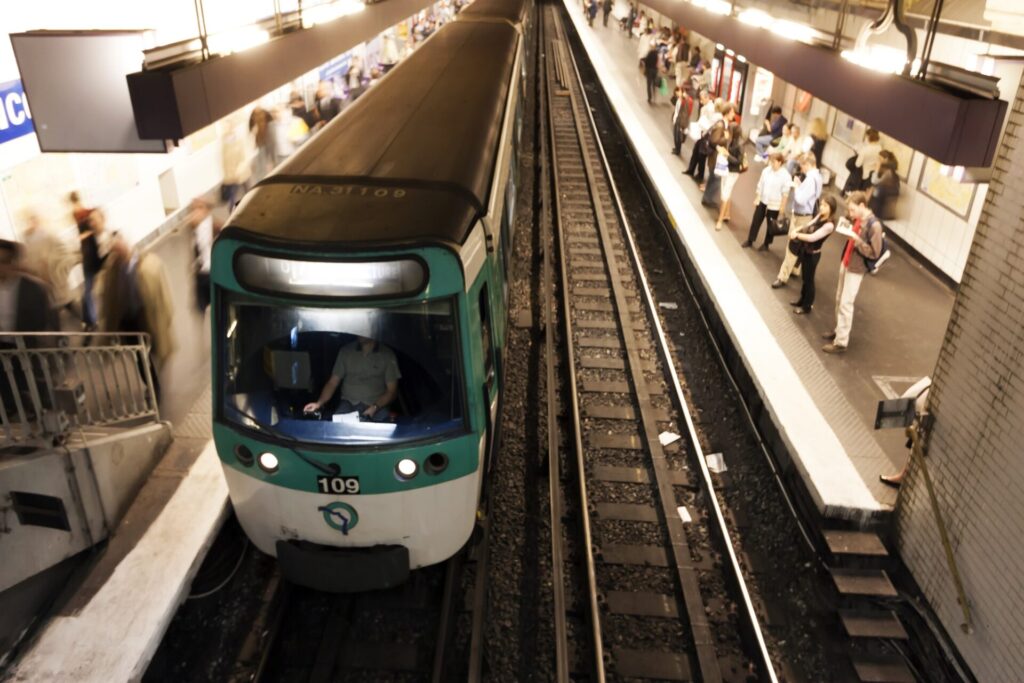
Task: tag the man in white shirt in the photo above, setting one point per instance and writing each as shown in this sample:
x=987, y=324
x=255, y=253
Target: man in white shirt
x=806, y=193
x=769, y=198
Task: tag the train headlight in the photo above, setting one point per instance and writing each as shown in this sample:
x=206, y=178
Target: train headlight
x=268, y=462
x=406, y=468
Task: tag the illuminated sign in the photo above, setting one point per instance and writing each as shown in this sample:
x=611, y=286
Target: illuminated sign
x=331, y=278
x=15, y=117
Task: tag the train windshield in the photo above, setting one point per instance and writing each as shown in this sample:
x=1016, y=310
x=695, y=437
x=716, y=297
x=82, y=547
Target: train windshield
x=395, y=371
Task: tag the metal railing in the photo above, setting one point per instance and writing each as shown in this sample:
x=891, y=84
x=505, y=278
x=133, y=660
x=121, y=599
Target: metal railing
x=52, y=382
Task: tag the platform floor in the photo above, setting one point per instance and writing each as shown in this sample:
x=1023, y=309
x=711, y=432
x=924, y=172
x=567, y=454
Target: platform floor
x=900, y=319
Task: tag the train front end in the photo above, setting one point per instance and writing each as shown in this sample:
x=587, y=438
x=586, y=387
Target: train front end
x=345, y=502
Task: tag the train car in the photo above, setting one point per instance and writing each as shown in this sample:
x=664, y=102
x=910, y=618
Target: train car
x=377, y=253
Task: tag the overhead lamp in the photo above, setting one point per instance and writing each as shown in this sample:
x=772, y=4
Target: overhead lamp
x=881, y=58
x=236, y=40
x=320, y=14
x=955, y=172
x=792, y=30
x=756, y=17
x=715, y=6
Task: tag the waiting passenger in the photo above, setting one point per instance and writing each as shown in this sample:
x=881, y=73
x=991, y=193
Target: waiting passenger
x=681, y=106
x=606, y=7
x=24, y=300
x=865, y=246
x=807, y=245
x=776, y=121
x=770, y=196
x=732, y=150
x=806, y=193
x=368, y=374
x=861, y=163
x=885, y=186
x=819, y=136
x=708, y=117
x=328, y=105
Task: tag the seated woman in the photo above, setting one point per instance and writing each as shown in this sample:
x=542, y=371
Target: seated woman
x=368, y=374
x=885, y=186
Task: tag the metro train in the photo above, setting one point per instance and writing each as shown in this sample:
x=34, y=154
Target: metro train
x=381, y=246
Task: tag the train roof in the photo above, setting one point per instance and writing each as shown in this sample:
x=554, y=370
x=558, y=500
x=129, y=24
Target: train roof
x=408, y=162
x=513, y=11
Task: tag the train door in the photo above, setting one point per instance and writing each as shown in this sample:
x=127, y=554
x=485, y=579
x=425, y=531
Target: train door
x=490, y=386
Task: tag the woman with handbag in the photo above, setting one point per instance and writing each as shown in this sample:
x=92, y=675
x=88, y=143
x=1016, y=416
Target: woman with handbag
x=807, y=246
x=732, y=153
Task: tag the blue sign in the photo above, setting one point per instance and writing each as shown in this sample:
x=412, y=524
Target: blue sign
x=15, y=118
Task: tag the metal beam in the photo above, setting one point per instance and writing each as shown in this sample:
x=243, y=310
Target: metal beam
x=953, y=128
x=174, y=102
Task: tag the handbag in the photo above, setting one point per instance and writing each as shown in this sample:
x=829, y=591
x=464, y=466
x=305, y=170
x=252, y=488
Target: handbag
x=663, y=86
x=779, y=226
x=721, y=165
x=796, y=247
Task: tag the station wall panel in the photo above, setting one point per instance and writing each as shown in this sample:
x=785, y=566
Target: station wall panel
x=974, y=452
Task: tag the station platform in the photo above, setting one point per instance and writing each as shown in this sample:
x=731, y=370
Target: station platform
x=821, y=407
x=115, y=609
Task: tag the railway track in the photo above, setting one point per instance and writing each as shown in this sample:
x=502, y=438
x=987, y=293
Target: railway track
x=661, y=593
x=401, y=634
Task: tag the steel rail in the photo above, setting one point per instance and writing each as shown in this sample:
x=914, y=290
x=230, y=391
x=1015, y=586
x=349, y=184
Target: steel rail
x=554, y=459
x=593, y=606
x=688, y=578
x=765, y=664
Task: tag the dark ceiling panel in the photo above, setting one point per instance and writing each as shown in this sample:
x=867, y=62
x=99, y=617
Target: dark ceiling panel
x=173, y=103
x=957, y=130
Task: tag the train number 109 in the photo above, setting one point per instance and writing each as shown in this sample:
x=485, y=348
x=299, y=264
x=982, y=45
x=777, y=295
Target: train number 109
x=338, y=484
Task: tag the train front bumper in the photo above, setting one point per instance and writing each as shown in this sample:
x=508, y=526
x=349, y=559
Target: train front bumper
x=343, y=570
x=430, y=523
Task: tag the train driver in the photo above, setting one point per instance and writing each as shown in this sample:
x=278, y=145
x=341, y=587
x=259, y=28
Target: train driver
x=368, y=374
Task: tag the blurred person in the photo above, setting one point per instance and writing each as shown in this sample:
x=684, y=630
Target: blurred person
x=205, y=229
x=681, y=62
x=709, y=115
x=796, y=146
x=290, y=132
x=591, y=11
x=884, y=187
x=865, y=246
x=389, y=50
x=45, y=257
x=681, y=106
x=298, y=107
x=264, y=137
x=328, y=105
x=137, y=298
x=769, y=198
x=237, y=154
x=819, y=136
x=862, y=162
x=776, y=122
x=650, y=67
x=808, y=246
x=807, y=189
x=93, y=242
x=732, y=150
x=24, y=300
x=631, y=19
x=354, y=78
x=606, y=9
x=717, y=136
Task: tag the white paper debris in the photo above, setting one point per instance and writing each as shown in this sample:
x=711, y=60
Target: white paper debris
x=668, y=437
x=684, y=514
x=670, y=305
x=352, y=417
x=716, y=462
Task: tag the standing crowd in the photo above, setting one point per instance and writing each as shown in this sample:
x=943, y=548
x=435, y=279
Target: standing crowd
x=790, y=199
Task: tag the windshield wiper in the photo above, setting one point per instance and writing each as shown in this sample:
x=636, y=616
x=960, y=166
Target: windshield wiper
x=331, y=470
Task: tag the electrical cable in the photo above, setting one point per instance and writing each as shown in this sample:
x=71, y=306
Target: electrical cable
x=234, y=570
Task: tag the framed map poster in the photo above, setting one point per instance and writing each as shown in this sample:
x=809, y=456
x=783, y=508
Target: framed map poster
x=954, y=195
x=848, y=130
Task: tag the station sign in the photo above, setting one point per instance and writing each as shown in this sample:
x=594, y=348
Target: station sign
x=15, y=117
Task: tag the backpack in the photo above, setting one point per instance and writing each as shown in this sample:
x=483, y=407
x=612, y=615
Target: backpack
x=873, y=264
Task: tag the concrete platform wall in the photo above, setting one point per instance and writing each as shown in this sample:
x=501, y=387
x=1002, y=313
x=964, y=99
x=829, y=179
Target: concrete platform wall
x=975, y=452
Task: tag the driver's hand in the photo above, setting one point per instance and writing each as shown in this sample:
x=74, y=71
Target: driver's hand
x=370, y=411
x=311, y=407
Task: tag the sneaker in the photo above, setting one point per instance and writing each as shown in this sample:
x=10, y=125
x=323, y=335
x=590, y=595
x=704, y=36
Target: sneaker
x=829, y=336
x=832, y=347
x=777, y=284
x=800, y=310
x=745, y=245
x=794, y=303
x=764, y=247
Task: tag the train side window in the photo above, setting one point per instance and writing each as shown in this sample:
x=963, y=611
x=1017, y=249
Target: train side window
x=486, y=339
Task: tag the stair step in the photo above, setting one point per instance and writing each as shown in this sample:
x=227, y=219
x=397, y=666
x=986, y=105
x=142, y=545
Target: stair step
x=872, y=624
x=890, y=670
x=855, y=543
x=869, y=582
